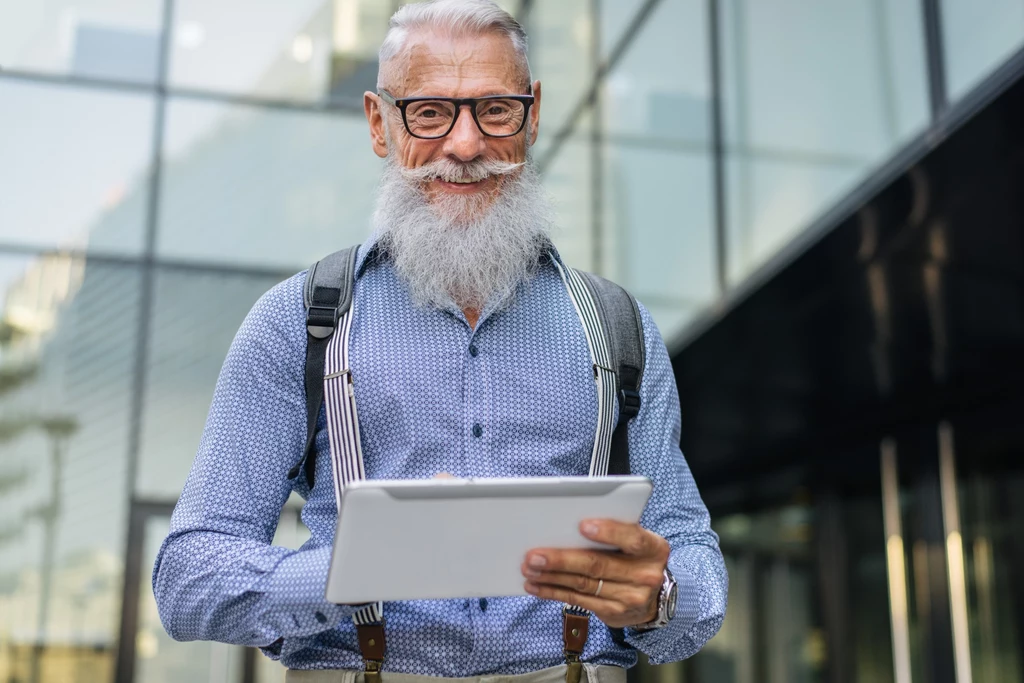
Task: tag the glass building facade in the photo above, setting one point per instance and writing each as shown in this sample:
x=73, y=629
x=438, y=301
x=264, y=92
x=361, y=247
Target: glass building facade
x=165, y=162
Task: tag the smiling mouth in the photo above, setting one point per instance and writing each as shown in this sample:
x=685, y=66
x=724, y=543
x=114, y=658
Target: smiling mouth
x=461, y=181
x=461, y=185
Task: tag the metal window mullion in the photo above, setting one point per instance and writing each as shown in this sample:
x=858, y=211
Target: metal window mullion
x=522, y=14
x=342, y=107
x=935, y=58
x=128, y=627
x=896, y=571
x=956, y=573
x=597, y=250
x=718, y=145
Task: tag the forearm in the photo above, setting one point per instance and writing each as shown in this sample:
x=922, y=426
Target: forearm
x=213, y=586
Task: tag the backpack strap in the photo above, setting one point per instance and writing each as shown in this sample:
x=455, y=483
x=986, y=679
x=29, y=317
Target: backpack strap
x=327, y=296
x=623, y=328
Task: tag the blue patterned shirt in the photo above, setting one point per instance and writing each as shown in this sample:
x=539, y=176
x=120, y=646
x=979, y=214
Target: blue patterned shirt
x=514, y=397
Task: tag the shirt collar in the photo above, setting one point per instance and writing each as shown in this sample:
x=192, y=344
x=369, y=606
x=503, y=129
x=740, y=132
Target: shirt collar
x=368, y=252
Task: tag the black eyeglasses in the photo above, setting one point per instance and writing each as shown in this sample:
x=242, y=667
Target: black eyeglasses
x=430, y=118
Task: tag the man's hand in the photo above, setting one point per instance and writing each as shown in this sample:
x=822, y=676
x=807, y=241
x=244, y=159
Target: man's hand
x=629, y=580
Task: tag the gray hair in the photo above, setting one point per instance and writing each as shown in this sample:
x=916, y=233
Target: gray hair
x=455, y=17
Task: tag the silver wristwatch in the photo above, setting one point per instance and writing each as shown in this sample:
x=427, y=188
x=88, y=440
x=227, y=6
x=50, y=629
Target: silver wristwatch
x=666, y=604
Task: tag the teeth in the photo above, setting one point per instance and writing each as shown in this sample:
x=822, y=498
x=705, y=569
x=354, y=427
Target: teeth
x=461, y=181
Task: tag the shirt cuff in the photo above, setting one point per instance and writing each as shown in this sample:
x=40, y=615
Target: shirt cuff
x=665, y=638
x=295, y=592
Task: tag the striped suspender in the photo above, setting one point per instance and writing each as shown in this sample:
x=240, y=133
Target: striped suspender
x=347, y=464
x=600, y=356
x=347, y=458
x=576, y=619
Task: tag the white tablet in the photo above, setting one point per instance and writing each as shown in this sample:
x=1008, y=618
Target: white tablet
x=461, y=538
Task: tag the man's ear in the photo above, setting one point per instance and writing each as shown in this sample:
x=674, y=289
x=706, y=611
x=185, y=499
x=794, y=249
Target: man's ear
x=535, y=114
x=372, y=105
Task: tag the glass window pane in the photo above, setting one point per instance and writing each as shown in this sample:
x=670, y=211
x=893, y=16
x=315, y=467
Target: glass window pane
x=978, y=36
x=195, y=317
x=264, y=186
x=306, y=50
x=729, y=656
x=990, y=486
x=568, y=181
x=560, y=57
x=74, y=167
x=777, y=609
x=660, y=88
x=771, y=199
x=844, y=89
x=108, y=39
x=615, y=19
x=65, y=399
x=659, y=229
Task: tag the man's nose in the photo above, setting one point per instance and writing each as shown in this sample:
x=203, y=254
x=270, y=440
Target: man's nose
x=465, y=142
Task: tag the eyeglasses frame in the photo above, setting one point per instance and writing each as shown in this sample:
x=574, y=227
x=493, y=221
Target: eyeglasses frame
x=459, y=102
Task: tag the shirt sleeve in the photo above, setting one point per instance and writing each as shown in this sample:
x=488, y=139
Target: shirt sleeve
x=675, y=512
x=217, y=576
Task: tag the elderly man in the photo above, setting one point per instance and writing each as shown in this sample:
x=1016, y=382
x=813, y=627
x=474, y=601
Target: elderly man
x=469, y=359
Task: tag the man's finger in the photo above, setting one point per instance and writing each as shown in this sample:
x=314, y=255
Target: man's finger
x=631, y=539
x=595, y=564
x=602, y=607
x=585, y=585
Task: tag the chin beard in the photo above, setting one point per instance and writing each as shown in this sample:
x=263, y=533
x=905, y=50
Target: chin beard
x=469, y=250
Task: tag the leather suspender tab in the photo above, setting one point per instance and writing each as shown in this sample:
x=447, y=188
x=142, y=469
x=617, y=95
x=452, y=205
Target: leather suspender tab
x=372, y=646
x=575, y=628
x=575, y=633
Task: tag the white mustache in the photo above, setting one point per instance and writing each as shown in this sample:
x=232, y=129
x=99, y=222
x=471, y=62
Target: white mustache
x=455, y=171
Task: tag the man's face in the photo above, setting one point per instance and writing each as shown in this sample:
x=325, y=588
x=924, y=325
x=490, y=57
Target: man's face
x=469, y=66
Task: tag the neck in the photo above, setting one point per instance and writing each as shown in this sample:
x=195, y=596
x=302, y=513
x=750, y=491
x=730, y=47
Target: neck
x=472, y=316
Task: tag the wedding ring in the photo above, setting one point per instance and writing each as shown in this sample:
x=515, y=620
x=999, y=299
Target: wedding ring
x=600, y=585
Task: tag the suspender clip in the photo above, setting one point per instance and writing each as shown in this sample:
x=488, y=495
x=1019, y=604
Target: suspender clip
x=574, y=668
x=372, y=672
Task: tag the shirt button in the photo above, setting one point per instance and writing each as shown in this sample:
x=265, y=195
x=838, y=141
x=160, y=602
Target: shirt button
x=483, y=604
x=320, y=617
x=473, y=351
x=478, y=431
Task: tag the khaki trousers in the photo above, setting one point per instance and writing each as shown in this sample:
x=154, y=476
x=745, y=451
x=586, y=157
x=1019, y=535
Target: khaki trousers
x=555, y=674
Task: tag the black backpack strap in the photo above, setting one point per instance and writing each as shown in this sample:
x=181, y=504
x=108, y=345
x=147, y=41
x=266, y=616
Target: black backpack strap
x=327, y=296
x=623, y=328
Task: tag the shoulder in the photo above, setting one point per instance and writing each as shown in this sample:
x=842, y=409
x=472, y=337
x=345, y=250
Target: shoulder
x=652, y=334
x=276, y=323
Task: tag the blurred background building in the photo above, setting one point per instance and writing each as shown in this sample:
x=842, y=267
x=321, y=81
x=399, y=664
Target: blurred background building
x=819, y=201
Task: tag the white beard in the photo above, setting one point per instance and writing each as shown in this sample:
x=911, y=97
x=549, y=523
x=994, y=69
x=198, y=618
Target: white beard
x=456, y=249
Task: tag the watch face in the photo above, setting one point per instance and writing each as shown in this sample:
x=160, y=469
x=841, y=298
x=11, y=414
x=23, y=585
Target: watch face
x=673, y=594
